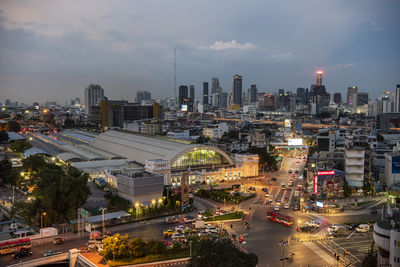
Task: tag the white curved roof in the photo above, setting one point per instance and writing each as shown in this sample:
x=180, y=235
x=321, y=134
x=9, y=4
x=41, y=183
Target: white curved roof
x=34, y=151
x=66, y=156
x=139, y=148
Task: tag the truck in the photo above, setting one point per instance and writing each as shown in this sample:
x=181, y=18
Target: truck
x=200, y=224
x=48, y=231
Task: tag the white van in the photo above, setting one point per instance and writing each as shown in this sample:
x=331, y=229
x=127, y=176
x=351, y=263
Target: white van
x=362, y=228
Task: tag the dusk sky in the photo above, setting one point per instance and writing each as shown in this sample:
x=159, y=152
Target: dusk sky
x=51, y=50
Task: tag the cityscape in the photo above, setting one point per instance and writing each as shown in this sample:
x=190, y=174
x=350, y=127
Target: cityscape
x=175, y=134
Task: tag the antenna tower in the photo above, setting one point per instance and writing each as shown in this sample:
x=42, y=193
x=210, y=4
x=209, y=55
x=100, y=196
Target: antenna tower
x=175, y=72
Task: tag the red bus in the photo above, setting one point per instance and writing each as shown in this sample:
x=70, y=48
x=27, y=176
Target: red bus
x=14, y=245
x=280, y=218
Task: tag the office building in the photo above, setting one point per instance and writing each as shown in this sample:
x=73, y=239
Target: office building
x=252, y=94
x=350, y=94
x=94, y=94
x=397, y=99
x=337, y=98
x=214, y=85
x=269, y=102
x=142, y=96
x=354, y=159
x=224, y=100
x=205, y=93
x=301, y=95
x=237, y=90
x=183, y=95
x=191, y=93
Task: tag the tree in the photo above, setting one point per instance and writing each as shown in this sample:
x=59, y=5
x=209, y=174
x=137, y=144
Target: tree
x=309, y=141
x=33, y=164
x=221, y=253
x=5, y=169
x=138, y=247
x=266, y=160
x=155, y=247
x=115, y=247
x=13, y=126
x=20, y=146
x=57, y=193
x=3, y=137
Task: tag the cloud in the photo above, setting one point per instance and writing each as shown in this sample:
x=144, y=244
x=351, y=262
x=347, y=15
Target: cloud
x=375, y=26
x=220, y=45
x=345, y=66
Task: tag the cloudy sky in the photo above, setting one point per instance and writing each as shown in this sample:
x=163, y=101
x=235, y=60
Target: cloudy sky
x=51, y=50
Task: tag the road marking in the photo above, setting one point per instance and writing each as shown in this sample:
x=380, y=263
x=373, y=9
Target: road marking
x=351, y=234
x=322, y=254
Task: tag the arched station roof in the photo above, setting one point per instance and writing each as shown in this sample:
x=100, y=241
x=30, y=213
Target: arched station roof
x=139, y=147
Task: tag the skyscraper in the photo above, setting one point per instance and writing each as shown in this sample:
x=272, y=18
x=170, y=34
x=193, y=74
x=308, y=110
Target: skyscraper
x=142, y=95
x=252, y=94
x=397, y=99
x=237, y=89
x=183, y=95
x=301, y=95
x=319, y=78
x=191, y=92
x=94, y=94
x=224, y=100
x=205, y=93
x=350, y=94
x=337, y=98
x=214, y=85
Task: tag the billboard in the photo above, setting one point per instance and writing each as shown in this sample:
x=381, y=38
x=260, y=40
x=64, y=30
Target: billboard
x=315, y=184
x=184, y=108
x=185, y=189
x=395, y=164
x=330, y=183
x=320, y=204
x=295, y=142
x=287, y=123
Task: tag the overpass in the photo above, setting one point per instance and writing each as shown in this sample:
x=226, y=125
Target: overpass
x=44, y=260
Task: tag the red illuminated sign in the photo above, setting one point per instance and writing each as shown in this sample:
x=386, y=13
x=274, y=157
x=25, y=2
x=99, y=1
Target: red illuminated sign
x=326, y=173
x=316, y=184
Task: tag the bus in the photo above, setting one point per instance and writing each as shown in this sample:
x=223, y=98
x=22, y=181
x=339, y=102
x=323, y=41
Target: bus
x=280, y=218
x=14, y=245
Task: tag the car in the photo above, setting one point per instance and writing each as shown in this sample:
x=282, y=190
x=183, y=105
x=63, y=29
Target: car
x=51, y=253
x=289, y=171
x=265, y=189
x=189, y=219
x=180, y=228
x=313, y=224
x=286, y=199
x=334, y=228
x=290, y=183
x=251, y=188
x=169, y=232
x=200, y=214
x=306, y=229
x=211, y=229
x=273, y=179
x=58, y=241
x=286, y=206
x=296, y=171
x=276, y=208
x=21, y=253
x=266, y=195
x=363, y=228
x=171, y=219
x=223, y=212
x=177, y=236
x=278, y=202
x=297, y=162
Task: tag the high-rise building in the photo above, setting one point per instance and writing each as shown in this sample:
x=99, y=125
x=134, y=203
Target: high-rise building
x=350, y=94
x=237, y=89
x=301, y=95
x=397, y=99
x=269, y=102
x=205, y=93
x=361, y=99
x=319, y=78
x=94, y=94
x=142, y=96
x=191, y=92
x=214, y=85
x=183, y=95
x=252, y=94
x=216, y=100
x=337, y=98
x=224, y=100
x=320, y=98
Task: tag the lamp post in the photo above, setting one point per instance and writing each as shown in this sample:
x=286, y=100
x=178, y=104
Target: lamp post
x=41, y=219
x=283, y=244
x=102, y=220
x=190, y=244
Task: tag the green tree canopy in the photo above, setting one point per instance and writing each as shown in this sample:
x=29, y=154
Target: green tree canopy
x=3, y=137
x=115, y=247
x=221, y=253
x=20, y=146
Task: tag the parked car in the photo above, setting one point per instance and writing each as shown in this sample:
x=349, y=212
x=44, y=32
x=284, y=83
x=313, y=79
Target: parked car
x=180, y=228
x=351, y=226
x=306, y=229
x=58, y=241
x=22, y=253
x=251, y=188
x=177, y=237
x=286, y=206
x=189, y=219
x=171, y=219
x=265, y=189
x=51, y=253
x=169, y=232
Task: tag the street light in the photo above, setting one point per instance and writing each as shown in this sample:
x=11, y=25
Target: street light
x=102, y=219
x=41, y=219
x=190, y=244
x=283, y=244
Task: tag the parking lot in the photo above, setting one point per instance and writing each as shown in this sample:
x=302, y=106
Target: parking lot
x=356, y=244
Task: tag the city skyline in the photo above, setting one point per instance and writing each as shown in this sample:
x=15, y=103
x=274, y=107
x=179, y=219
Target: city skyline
x=49, y=54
